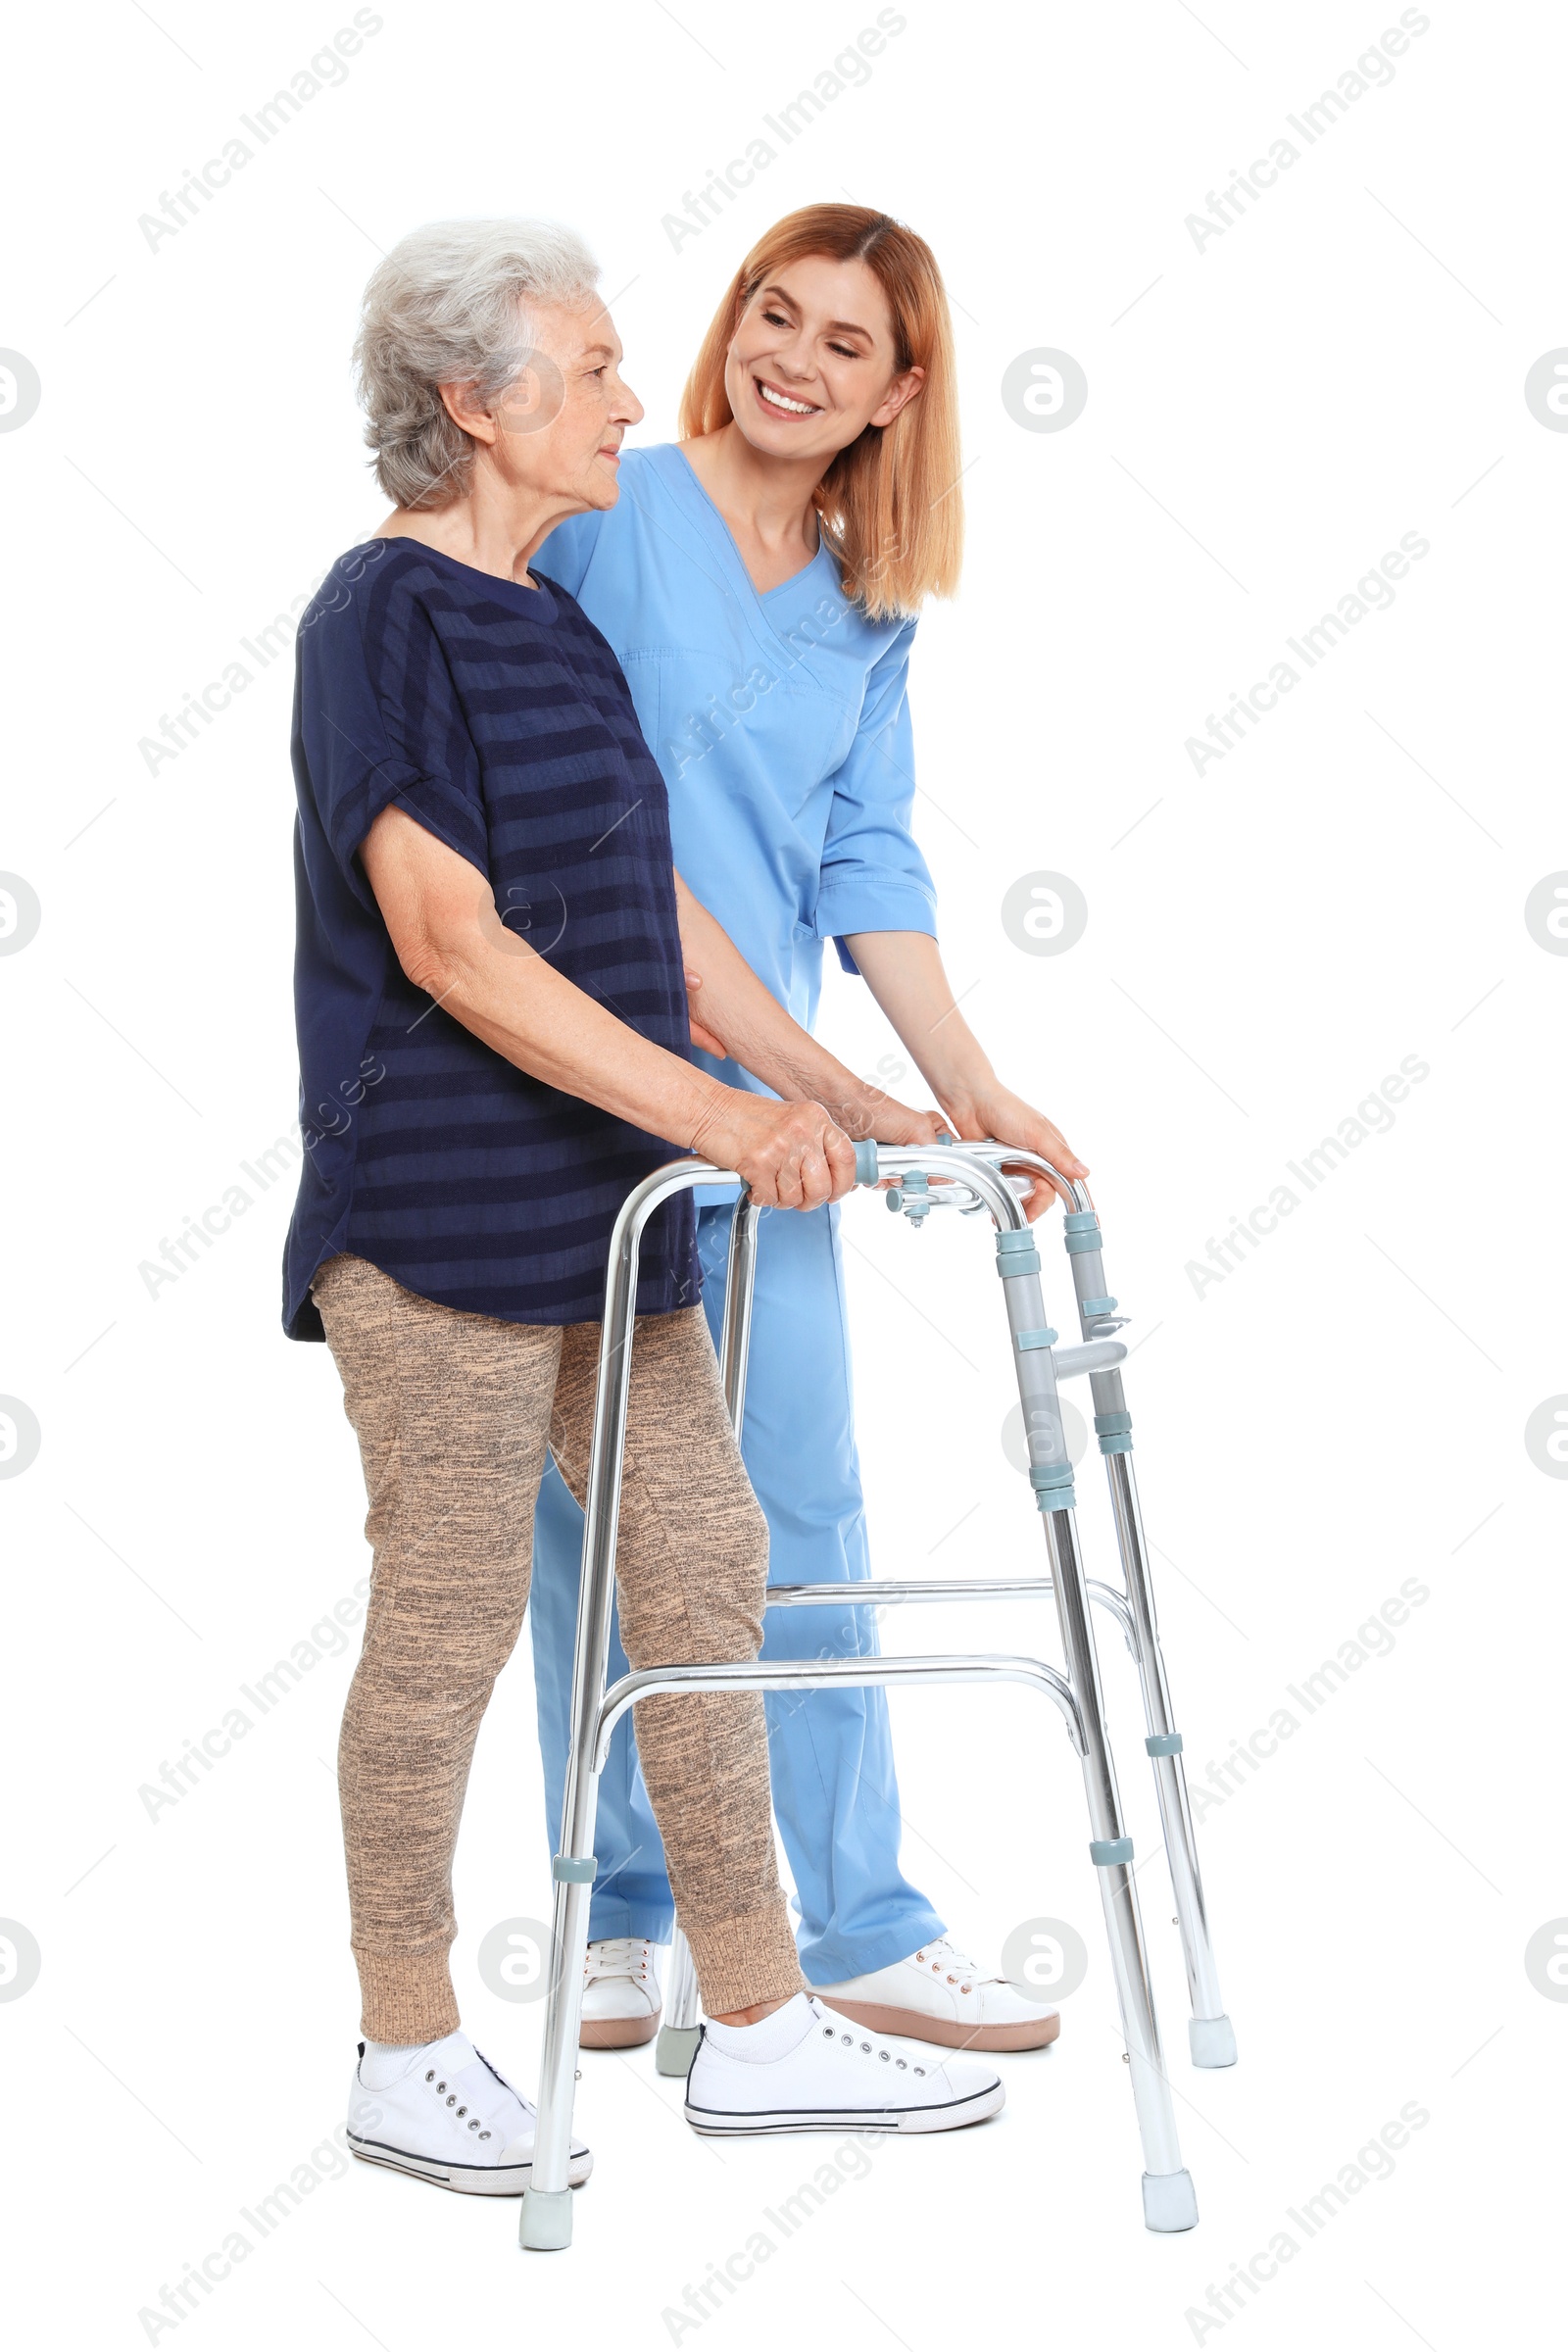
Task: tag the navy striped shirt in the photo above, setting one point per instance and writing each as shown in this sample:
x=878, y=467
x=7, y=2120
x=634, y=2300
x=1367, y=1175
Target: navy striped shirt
x=498, y=717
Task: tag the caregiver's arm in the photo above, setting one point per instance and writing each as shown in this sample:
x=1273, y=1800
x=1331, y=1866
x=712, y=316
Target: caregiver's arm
x=904, y=971
x=441, y=915
x=733, y=1013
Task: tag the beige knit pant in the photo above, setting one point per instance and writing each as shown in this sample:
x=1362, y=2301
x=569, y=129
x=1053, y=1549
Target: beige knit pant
x=453, y=1413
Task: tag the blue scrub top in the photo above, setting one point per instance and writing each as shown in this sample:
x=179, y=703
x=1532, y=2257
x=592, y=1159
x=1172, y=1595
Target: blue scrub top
x=780, y=723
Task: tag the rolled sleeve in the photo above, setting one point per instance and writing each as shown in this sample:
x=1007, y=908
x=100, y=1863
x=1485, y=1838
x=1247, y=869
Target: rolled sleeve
x=379, y=724
x=873, y=877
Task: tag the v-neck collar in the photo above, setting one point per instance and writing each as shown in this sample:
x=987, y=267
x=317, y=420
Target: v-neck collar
x=761, y=597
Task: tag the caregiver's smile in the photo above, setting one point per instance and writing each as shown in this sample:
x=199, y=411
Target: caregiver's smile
x=814, y=360
x=774, y=397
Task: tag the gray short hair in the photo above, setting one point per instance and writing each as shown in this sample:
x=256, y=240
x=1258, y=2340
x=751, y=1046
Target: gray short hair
x=450, y=304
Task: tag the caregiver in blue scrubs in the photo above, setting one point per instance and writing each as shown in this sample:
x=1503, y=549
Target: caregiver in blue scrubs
x=759, y=581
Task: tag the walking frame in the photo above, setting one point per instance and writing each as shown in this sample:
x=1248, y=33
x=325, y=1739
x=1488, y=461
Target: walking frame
x=974, y=1182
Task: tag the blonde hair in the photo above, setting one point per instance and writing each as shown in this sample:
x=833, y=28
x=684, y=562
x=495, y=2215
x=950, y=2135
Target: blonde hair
x=890, y=504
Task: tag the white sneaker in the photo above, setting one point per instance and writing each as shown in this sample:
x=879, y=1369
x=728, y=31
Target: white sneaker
x=621, y=1996
x=453, y=2120
x=939, y=1996
x=811, y=2074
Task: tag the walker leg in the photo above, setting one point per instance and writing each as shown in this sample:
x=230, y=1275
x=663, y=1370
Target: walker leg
x=1210, y=2035
x=544, y=2225
x=1168, y=2199
x=545, y=2222
x=680, y=2032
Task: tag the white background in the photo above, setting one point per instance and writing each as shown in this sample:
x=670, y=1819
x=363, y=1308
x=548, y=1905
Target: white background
x=1343, y=1412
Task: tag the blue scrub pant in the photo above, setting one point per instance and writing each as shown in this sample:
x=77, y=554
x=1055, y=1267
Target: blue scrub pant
x=835, y=1793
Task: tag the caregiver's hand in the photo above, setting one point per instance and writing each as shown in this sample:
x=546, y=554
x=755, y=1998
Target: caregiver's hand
x=904, y=971
x=790, y=1155
x=1000, y=1114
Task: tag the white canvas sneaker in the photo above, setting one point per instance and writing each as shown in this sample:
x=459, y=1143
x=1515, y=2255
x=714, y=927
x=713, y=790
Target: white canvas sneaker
x=808, y=2071
x=453, y=2120
x=939, y=1996
x=621, y=1996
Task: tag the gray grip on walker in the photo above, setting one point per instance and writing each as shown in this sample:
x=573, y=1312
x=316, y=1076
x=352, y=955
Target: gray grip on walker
x=1017, y=1252
x=865, y=1163
x=1105, y=1852
x=576, y=1871
x=1053, y=1485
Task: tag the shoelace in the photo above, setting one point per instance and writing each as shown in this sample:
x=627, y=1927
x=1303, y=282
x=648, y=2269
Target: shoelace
x=451, y=2101
x=870, y=2049
x=943, y=1958
x=615, y=1956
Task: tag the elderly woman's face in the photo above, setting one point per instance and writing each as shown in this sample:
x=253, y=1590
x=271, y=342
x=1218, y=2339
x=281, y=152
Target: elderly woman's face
x=560, y=426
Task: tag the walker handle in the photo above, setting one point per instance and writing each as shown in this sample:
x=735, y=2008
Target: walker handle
x=865, y=1163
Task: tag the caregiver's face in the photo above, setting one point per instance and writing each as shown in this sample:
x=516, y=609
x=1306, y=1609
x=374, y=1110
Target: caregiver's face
x=812, y=361
x=563, y=423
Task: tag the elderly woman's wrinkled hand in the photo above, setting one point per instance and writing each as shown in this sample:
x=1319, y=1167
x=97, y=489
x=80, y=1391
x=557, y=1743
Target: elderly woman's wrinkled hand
x=789, y=1154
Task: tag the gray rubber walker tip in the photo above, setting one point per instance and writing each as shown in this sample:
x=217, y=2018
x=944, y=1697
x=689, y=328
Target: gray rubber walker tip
x=544, y=2225
x=676, y=2048
x=1211, y=2041
x=1170, y=2202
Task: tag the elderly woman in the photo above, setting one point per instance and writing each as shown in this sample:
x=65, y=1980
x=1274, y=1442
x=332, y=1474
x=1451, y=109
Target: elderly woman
x=493, y=1039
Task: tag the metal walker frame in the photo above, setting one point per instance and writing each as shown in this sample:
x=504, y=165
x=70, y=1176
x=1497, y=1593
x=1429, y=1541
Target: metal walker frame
x=974, y=1182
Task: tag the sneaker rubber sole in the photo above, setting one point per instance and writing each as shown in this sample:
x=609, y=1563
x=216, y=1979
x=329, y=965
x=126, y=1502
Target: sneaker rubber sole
x=913, y=2024
x=952, y=2116
x=470, y=2180
x=618, y=2033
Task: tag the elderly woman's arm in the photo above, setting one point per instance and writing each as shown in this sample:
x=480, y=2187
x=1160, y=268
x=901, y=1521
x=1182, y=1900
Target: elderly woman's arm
x=449, y=939
x=733, y=1013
